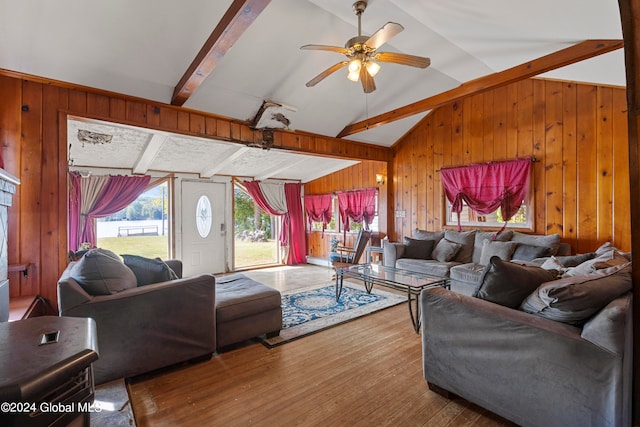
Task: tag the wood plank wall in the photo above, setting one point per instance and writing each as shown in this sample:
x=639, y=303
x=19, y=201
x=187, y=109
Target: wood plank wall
x=34, y=148
x=577, y=132
x=362, y=175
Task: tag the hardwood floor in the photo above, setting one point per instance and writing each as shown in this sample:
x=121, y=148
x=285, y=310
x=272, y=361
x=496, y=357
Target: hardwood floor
x=363, y=373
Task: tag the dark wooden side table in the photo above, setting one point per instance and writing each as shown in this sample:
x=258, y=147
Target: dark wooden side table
x=46, y=376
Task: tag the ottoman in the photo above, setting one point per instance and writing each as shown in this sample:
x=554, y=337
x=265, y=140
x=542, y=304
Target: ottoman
x=245, y=309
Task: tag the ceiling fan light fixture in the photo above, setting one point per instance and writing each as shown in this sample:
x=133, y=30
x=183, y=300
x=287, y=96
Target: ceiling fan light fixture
x=354, y=66
x=354, y=76
x=372, y=68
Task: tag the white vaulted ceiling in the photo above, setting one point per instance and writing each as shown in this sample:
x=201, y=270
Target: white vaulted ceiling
x=143, y=48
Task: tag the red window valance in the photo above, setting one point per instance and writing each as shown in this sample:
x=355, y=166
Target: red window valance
x=357, y=206
x=485, y=187
x=318, y=208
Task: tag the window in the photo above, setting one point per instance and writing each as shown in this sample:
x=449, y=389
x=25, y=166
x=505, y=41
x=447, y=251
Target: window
x=142, y=228
x=469, y=218
x=335, y=225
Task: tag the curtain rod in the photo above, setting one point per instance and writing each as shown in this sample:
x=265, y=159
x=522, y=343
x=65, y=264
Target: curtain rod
x=532, y=158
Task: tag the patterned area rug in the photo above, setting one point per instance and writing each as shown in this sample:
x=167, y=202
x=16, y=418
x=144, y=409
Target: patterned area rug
x=306, y=311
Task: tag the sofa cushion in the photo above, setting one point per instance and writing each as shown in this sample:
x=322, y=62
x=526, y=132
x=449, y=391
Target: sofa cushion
x=100, y=272
x=492, y=248
x=445, y=250
x=149, y=270
x=464, y=238
x=481, y=236
x=239, y=296
x=508, y=284
x=428, y=235
x=525, y=252
x=426, y=266
x=418, y=248
x=569, y=260
x=551, y=241
x=468, y=273
x=608, y=259
x=575, y=299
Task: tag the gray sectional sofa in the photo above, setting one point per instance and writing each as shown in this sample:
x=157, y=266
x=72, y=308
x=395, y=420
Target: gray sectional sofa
x=149, y=317
x=462, y=256
x=541, y=345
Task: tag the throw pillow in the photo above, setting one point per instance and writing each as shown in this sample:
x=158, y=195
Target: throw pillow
x=575, y=299
x=445, y=250
x=481, y=236
x=492, y=248
x=149, y=270
x=466, y=239
x=428, y=235
x=552, y=263
x=551, y=241
x=525, y=252
x=99, y=273
x=507, y=283
x=607, y=259
x=417, y=249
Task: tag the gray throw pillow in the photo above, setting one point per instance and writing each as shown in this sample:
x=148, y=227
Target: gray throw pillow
x=417, y=248
x=481, y=236
x=604, y=260
x=525, y=252
x=428, y=235
x=99, y=273
x=551, y=241
x=575, y=299
x=492, y=248
x=149, y=270
x=464, y=238
x=508, y=284
x=445, y=250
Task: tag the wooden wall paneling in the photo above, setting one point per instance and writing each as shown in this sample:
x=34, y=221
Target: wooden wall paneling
x=183, y=121
x=31, y=181
x=604, y=148
x=488, y=136
x=117, y=110
x=441, y=138
x=553, y=158
x=476, y=131
x=511, y=123
x=98, y=105
x=153, y=116
x=52, y=166
x=78, y=101
x=168, y=118
x=586, y=178
x=10, y=128
x=621, y=194
x=538, y=151
x=423, y=150
x=210, y=126
x=569, y=167
x=525, y=118
x=499, y=123
x=197, y=124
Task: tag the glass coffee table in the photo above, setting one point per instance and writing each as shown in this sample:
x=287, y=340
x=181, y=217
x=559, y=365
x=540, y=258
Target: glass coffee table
x=404, y=280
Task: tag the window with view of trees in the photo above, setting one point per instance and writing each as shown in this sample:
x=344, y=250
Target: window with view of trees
x=334, y=225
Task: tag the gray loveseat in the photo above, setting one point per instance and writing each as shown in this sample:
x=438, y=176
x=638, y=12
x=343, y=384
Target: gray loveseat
x=462, y=256
x=561, y=357
x=149, y=317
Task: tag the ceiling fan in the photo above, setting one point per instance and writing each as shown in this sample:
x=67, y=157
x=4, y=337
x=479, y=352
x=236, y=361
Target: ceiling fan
x=363, y=56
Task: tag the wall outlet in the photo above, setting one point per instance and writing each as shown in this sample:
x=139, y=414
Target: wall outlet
x=401, y=214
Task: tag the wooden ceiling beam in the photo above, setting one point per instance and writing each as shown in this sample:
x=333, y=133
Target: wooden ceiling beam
x=578, y=52
x=235, y=21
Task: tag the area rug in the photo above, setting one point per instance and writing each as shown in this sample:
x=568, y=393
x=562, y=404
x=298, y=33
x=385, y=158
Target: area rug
x=307, y=311
x=113, y=406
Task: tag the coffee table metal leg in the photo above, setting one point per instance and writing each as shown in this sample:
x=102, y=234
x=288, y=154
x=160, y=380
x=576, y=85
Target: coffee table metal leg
x=339, y=281
x=414, y=314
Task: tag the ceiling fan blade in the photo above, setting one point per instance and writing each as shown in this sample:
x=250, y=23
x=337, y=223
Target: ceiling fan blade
x=384, y=34
x=368, y=85
x=403, y=59
x=337, y=49
x=326, y=73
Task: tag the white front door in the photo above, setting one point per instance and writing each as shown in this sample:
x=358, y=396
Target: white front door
x=203, y=227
